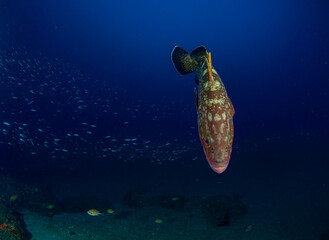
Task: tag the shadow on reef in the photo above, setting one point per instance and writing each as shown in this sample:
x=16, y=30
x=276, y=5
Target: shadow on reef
x=219, y=210
x=136, y=197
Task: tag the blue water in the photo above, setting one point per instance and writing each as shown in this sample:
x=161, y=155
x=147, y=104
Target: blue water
x=88, y=89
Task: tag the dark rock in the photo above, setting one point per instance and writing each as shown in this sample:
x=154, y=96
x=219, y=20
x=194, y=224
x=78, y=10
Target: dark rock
x=325, y=234
x=135, y=198
x=123, y=214
x=168, y=201
x=222, y=210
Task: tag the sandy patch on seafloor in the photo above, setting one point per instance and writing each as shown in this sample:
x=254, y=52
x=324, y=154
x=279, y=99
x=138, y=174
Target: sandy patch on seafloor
x=140, y=225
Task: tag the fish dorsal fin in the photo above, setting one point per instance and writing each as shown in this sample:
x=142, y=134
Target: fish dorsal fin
x=198, y=54
x=210, y=68
x=196, y=79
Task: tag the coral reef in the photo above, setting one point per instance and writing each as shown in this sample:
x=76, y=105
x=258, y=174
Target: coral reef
x=21, y=194
x=12, y=226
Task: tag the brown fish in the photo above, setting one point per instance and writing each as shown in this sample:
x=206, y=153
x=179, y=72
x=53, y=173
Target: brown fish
x=215, y=109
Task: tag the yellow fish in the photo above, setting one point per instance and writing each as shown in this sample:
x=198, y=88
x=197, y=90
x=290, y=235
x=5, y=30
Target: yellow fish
x=94, y=212
x=13, y=198
x=110, y=211
x=158, y=220
x=50, y=206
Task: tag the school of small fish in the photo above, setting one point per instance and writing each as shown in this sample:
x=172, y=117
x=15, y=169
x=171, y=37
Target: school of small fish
x=50, y=109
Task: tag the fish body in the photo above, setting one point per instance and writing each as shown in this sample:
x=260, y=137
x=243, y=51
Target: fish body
x=94, y=212
x=13, y=198
x=249, y=228
x=158, y=220
x=110, y=211
x=50, y=206
x=214, y=108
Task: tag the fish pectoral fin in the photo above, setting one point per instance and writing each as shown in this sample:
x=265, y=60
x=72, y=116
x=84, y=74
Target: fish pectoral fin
x=196, y=99
x=232, y=108
x=196, y=80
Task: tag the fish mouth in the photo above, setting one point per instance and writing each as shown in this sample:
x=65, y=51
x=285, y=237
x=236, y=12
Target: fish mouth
x=218, y=165
x=220, y=169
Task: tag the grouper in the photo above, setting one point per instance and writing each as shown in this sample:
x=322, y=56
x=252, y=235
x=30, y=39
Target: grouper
x=214, y=108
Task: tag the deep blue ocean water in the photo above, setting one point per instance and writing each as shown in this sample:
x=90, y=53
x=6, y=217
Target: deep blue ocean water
x=88, y=90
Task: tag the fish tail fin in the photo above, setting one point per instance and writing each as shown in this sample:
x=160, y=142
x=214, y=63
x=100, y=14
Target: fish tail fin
x=182, y=60
x=198, y=54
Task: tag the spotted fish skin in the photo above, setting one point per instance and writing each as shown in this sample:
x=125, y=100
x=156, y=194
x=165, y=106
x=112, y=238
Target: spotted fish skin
x=214, y=108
